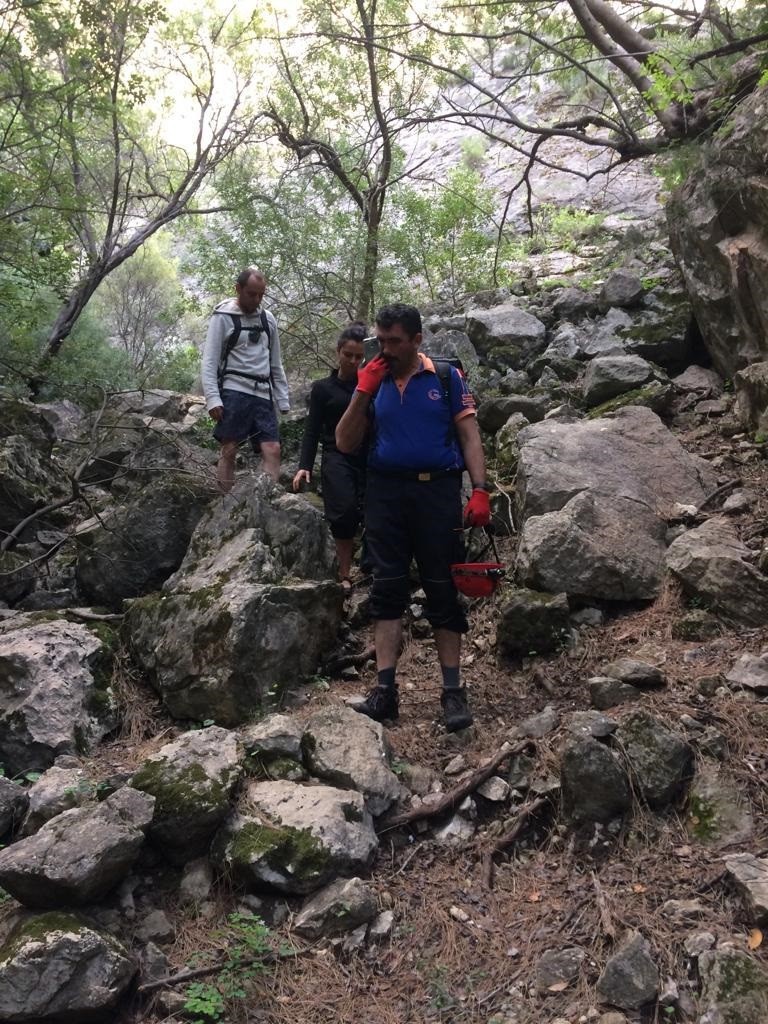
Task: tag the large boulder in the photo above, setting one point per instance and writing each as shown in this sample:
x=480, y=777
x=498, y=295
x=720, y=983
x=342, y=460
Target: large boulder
x=718, y=224
x=351, y=751
x=595, y=496
x=134, y=549
x=54, y=692
x=295, y=838
x=734, y=987
x=250, y=610
x=13, y=803
x=751, y=386
x=192, y=780
x=80, y=855
x=55, y=967
x=506, y=335
x=29, y=479
x=711, y=564
x=609, y=376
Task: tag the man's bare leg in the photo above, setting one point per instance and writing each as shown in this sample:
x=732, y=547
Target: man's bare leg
x=270, y=454
x=225, y=468
x=448, y=646
x=387, y=637
x=344, y=551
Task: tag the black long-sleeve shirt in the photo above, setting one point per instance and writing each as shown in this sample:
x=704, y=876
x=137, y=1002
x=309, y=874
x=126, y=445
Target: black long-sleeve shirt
x=328, y=401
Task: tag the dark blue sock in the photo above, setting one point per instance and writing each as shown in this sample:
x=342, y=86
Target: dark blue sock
x=450, y=677
x=386, y=678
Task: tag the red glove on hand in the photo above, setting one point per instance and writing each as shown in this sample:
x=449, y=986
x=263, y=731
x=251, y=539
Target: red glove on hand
x=477, y=511
x=370, y=376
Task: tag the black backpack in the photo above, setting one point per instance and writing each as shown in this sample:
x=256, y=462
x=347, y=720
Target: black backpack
x=443, y=366
x=261, y=328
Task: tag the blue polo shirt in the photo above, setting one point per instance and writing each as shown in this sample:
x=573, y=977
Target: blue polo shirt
x=413, y=423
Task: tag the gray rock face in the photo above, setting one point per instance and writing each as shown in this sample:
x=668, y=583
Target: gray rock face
x=54, y=967
x=574, y=303
x=596, y=546
x=622, y=288
x=80, y=855
x=274, y=736
x=734, y=988
x=717, y=809
x=451, y=344
x=13, y=804
x=710, y=563
x=606, y=692
x=718, y=225
x=558, y=966
x=295, y=838
x=635, y=672
x=594, y=785
x=507, y=450
x=594, y=498
x=63, y=417
x=341, y=907
x=191, y=780
x=751, y=673
x=136, y=548
x=50, y=703
x=629, y=454
x=532, y=621
x=630, y=978
x=699, y=380
x=28, y=478
x=660, y=762
x=493, y=414
x=751, y=386
x=56, y=791
x=239, y=620
x=609, y=376
x=750, y=876
x=351, y=751
x=506, y=334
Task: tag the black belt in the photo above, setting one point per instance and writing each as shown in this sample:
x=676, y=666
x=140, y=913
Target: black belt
x=423, y=475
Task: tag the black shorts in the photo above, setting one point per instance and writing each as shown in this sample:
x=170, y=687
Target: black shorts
x=343, y=480
x=246, y=418
x=411, y=519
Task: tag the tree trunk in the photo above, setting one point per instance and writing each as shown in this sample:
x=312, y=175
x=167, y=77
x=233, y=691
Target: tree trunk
x=364, y=300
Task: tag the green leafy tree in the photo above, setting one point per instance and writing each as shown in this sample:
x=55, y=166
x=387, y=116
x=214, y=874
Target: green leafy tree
x=341, y=104
x=122, y=119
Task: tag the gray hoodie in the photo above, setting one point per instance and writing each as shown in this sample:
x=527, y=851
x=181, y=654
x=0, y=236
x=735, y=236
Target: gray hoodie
x=261, y=358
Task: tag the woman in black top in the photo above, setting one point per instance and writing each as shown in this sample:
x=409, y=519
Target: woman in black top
x=342, y=476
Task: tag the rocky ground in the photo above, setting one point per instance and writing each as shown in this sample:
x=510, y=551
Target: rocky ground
x=523, y=935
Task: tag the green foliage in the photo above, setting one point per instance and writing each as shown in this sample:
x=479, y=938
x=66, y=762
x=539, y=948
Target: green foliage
x=245, y=943
x=564, y=227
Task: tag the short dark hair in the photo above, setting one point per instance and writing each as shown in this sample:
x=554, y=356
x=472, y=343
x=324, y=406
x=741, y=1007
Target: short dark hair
x=399, y=313
x=245, y=275
x=355, y=331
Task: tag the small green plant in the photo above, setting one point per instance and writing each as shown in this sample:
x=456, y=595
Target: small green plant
x=245, y=942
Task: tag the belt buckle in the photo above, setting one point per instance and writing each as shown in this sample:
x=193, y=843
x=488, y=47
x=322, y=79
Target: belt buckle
x=424, y=477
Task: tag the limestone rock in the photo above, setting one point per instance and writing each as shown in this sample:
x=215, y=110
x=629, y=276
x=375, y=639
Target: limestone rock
x=495, y=412
x=606, y=692
x=295, y=838
x=340, y=907
x=530, y=621
x=136, y=547
x=621, y=288
x=191, y=780
x=559, y=967
x=734, y=988
x=50, y=699
x=54, y=967
x=661, y=762
x=750, y=672
x=750, y=875
x=751, y=386
x=591, y=723
x=244, y=615
x=630, y=978
x=506, y=334
x=717, y=810
x=274, y=736
x=13, y=803
x=78, y=856
x=719, y=234
x=610, y=376
x=57, y=790
x=594, y=785
x=710, y=563
x=635, y=673
x=351, y=751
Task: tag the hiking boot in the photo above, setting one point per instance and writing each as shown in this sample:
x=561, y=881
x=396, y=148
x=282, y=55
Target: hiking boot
x=380, y=703
x=456, y=713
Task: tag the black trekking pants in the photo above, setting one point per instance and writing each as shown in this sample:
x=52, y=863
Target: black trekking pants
x=407, y=519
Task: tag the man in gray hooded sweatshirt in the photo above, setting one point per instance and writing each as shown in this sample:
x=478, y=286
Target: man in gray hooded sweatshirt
x=243, y=377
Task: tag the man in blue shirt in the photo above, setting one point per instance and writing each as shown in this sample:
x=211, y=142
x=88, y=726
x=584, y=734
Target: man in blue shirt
x=421, y=442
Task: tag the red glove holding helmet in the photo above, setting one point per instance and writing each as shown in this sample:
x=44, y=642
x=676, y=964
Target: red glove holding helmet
x=477, y=511
x=370, y=376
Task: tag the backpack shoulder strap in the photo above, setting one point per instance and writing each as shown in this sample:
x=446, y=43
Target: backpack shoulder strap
x=443, y=371
x=229, y=344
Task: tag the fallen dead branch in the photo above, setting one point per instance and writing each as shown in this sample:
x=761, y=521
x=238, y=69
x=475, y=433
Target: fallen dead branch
x=182, y=977
x=448, y=801
x=507, y=838
x=602, y=905
x=719, y=492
